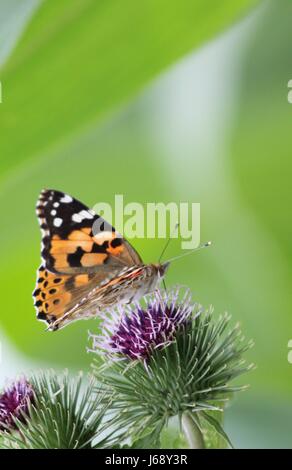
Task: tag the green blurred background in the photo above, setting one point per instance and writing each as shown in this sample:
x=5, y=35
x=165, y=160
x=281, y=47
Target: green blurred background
x=160, y=101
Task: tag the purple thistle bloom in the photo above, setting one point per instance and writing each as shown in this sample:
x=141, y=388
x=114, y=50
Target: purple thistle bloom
x=13, y=402
x=135, y=331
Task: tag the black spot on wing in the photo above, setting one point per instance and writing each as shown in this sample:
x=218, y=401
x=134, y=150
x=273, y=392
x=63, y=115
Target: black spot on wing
x=74, y=259
x=45, y=317
x=116, y=242
x=42, y=316
x=96, y=248
x=48, y=258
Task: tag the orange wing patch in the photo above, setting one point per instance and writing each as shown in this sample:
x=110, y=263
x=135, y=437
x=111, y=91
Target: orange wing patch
x=81, y=252
x=82, y=234
x=81, y=280
x=55, y=294
x=93, y=259
x=51, y=295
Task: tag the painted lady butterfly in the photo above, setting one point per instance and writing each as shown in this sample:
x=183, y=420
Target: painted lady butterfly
x=87, y=266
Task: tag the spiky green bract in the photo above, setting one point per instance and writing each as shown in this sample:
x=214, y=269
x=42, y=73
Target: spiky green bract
x=190, y=375
x=65, y=414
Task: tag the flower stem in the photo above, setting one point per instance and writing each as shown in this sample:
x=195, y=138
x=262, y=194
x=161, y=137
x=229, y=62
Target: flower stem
x=191, y=431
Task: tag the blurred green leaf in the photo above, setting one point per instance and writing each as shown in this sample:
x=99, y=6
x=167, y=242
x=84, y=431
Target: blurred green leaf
x=262, y=171
x=220, y=434
x=263, y=163
x=79, y=59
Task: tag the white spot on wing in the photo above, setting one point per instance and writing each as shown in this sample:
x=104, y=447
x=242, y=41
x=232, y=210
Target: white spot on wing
x=81, y=216
x=56, y=204
x=66, y=198
x=103, y=235
x=57, y=222
x=53, y=212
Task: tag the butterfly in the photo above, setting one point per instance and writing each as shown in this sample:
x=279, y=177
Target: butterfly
x=87, y=266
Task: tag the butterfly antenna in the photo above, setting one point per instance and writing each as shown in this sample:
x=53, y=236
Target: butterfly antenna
x=203, y=245
x=168, y=241
x=164, y=285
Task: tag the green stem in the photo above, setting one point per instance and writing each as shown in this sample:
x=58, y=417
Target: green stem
x=191, y=431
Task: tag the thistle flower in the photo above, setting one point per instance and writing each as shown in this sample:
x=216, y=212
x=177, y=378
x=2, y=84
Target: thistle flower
x=14, y=403
x=135, y=333
x=177, y=361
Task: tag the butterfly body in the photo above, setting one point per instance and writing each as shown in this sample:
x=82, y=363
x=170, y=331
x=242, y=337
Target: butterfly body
x=87, y=266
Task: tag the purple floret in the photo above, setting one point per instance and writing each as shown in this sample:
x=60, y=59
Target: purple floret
x=14, y=402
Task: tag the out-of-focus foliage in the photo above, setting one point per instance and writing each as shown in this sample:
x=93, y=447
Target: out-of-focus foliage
x=79, y=59
x=261, y=165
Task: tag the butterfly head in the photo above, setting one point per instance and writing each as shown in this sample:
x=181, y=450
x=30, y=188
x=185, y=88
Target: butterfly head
x=162, y=268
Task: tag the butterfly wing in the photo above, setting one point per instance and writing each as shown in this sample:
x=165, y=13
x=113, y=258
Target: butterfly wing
x=56, y=294
x=77, y=240
x=80, y=251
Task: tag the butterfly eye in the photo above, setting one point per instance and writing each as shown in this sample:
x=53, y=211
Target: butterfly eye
x=162, y=268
